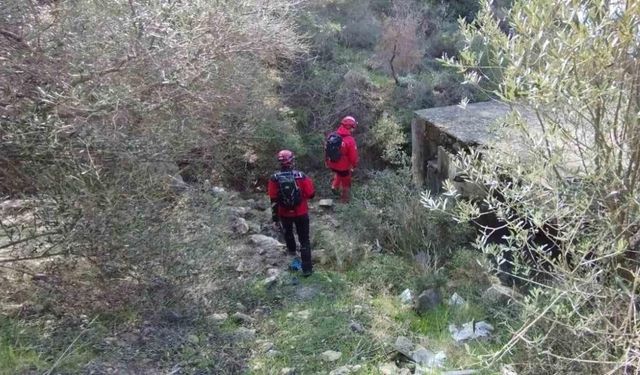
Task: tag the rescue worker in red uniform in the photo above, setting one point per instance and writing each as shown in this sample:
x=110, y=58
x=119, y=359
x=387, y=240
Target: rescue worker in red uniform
x=289, y=191
x=343, y=159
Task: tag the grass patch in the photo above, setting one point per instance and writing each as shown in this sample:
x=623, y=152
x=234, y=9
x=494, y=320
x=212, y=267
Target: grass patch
x=304, y=328
x=17, y=351
x=382, y=272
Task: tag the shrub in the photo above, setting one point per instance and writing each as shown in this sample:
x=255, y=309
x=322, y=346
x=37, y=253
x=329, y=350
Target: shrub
x=103, y=100
x=361, y=28
x=573, y=180
x=388, y=136
x=385, y=212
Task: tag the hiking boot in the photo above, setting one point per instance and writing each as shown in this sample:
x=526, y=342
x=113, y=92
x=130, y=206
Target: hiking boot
x=296, y=264
x=307, y=273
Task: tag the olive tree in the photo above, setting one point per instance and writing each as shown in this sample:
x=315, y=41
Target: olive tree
x=574, y=65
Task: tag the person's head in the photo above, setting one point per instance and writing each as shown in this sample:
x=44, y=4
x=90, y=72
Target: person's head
x=285, y=158
x=349, y=122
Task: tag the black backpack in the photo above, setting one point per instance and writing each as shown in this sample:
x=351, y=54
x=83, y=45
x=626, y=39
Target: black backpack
x=333, y=147
x=289, y=194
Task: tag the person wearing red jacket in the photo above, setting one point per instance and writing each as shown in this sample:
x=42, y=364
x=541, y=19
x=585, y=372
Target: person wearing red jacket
x=343, y=162
x=289, y=191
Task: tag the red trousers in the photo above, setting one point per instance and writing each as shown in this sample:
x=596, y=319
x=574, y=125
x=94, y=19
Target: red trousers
x=342, y=182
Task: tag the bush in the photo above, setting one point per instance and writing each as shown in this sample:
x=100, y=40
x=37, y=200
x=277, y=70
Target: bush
x=569, y=182
x=386, y=212
x=362, y=28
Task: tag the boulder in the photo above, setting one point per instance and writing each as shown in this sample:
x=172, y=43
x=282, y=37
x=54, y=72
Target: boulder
x=356, y=327
x=319, y=256
x=265, y=243
x=239, y=225
x=406, y=297
x=325, y=203
x=508, y=370
x=456, y=300
x=245, y=334
x=219, y=317
x=243, y=318
x=498, y=294
x=470, y=330
x=427, y=300
x=238, y=211
x=404, y=346
x=389, y=368
x=427, y=358
x=270, y=281
x=273, y=272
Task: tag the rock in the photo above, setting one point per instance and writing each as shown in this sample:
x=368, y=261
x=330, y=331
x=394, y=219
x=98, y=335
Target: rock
x=272, y=353
x=243, y=318
x=219, y=317
x=459, y=372
x=260, y=205
x=265, y=243
x=325, y=203
x=319, y=256
x=255, y=228
x=356, y=327
x=288, y=371
x=427, y=300
x=330, y=356
x=266, y=346
x=177, y=184
x=270, y=281
x=239, y=212
x=404, y=346
x=508, y=370
x=345, y=370
x=217, y=190
x=406, y=297
x=273, y=272
x=239, y=225
x=194, y=339
x=39, y=277
x=470, y=330
x=242, y=267
x=245, y=334
x=456, y=300
x=388, y=368
x=240, y=306
x=498, y=294
x=427, y=358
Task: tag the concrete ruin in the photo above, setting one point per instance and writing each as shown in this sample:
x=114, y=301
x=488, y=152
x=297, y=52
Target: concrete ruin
x=438, y=134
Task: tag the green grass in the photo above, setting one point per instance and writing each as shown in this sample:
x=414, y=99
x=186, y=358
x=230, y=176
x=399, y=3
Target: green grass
x=300, y=341
x=17, y=353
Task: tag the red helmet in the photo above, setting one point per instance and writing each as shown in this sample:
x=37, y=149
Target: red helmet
x=349, y=122
x=285, y=157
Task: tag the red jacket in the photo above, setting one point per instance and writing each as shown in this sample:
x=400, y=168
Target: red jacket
x=349, y=151
x=306, y=188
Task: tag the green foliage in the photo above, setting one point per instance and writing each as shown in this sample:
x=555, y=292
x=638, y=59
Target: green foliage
x=386, y=211
x=16, y=352
x=361, y=26
x=568, y=72
x=382, y=272
x=389, y=137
